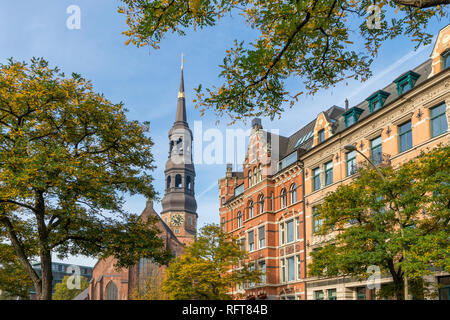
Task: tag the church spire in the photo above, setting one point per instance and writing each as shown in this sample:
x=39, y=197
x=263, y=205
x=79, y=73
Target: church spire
x=181, y=106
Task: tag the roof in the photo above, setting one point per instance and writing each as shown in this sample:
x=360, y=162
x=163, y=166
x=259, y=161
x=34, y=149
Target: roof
x=84, y=295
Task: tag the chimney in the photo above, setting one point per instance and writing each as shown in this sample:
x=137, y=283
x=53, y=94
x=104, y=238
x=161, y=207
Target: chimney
x=256, y=123
x=229, y=170
x=346, y=105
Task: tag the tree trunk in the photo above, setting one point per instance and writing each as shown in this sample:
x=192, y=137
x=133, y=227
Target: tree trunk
x=47, y=276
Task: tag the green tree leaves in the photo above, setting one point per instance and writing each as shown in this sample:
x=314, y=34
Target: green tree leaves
x=67, y=158
x=203, y=271
x=321, y=42
x=62, y=291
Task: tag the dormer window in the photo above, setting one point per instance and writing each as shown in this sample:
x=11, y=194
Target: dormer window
x=406, y=82
x=321, y=135
x=376, y=101
x=351, y=116
x=446, y=60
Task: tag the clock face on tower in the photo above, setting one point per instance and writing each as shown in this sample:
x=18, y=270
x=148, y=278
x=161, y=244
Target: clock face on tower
x=177, y=219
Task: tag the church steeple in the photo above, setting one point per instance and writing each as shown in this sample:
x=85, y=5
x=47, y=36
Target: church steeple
x=179, y=204
x=181, y=105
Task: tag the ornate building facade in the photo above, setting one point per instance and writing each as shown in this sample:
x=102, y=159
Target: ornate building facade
x=177, y=221
x=270, y=205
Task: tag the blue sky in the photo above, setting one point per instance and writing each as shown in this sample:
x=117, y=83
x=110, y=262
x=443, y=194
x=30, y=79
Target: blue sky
x=147, y=80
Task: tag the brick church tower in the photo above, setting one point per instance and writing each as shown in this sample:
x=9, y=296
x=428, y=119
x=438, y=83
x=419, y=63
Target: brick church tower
x=179, y=204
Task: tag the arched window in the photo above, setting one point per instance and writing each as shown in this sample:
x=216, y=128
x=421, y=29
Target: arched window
x=250, y=209
x=178, y=181
x=171, y=145
x=293, y=192
x=254, y=176
x=260, y=173
x=188, y=183
x=283, y=198
x=239, y=219
x=168, y=182
x=261, y=204
x=190, y=220
x=250, y=178
x=111, y=291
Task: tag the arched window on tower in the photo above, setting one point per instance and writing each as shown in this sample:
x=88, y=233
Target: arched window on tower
x=169, y=180
x=178, y=181
x=250, y=177
x=180, y=145
x=188, y=183
x=254, y=176
x=171, y=145
x=111, y=291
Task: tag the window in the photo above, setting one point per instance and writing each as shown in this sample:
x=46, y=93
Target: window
x=188, y=183
x=262, y=237
x=223, y=201
x=332, y=294
x=249, y=178
x=438, y=119
x=250, y=210
x=316, y=179
x=375, y=150
x=239, y=219
x=351, y=116
x=297, y=227
x=111, y=291
x=291, y=268
x=321, y=135
x=251, y=268
x=316, y=221
x=178, y=181
x=262, y=268
x=377, y=100
x=254, y=176
x=190, y=220
x=290, y=231
x=361, y=293
x=328, y=173
x=446, y=60
x=168, y=182
x=223, y=224
x=293, y=192
x=318, y=295
x=242, y=244
x=259, y=173
x=251, y=241
x=282, y=233
x=405, y=136
x=283, y=271
x=271, y=201
x=351, y=163
x=283, y=198
x=261, y=204
x=406, y=82
x=299, y=272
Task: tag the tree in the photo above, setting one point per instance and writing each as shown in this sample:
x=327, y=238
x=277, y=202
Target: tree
x=67, y=158
x=67, y=290
x=14, y=281
x=203, y=271
x=400, y=224
x=150, y=285
x=322, y=42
